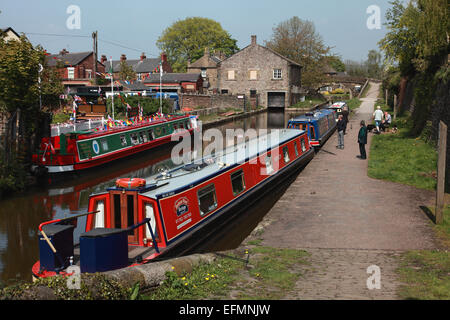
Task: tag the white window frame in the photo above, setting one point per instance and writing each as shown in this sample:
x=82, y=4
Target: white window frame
x=70, y=73
x=231, y=75
x=277, y=74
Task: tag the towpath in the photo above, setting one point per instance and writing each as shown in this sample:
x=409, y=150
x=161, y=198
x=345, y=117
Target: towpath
x=348, y=221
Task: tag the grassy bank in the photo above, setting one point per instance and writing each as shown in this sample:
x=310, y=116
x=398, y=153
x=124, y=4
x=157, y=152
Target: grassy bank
x=259, y=273
x=425, y=274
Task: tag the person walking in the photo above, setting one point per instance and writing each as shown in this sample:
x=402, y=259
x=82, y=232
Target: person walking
x=362, y=140
x=378, y=117
x=345, y=113
x=340, y=129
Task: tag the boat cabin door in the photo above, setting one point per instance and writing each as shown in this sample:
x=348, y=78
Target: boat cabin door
x=124, y=212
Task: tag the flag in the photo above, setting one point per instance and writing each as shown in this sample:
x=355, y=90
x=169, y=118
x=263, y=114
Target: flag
x=128, y=107
x=99, y=90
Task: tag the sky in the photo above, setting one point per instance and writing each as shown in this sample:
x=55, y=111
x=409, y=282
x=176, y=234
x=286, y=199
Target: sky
x=132, y=27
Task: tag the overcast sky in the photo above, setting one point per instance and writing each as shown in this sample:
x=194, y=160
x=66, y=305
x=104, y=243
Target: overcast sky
x=137, y=24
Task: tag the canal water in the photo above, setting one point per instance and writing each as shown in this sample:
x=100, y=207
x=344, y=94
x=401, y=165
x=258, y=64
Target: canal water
x=20, y=215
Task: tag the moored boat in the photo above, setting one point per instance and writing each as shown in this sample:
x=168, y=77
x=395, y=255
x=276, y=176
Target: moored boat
x=140, y=220
x=319, y=125
x=79, y=150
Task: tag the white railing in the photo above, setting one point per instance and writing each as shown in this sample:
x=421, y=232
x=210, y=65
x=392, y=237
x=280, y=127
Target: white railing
x=57, y=129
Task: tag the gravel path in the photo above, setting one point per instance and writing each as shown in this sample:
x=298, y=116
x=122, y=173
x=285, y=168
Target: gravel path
x=348, y=221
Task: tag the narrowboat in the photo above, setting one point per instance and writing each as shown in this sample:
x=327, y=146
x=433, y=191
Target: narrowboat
x=140, y=220
x=338, y=107
x=319, y=125
x=79, y=150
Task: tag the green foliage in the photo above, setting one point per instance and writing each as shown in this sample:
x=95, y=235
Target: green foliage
x=187, y=39
x=126, y=72
x=12, y=175
x=298, y=40
x=149, y=105
x=336, y=63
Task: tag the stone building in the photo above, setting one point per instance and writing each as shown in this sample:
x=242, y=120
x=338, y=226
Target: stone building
x=207, y=66
x=259, y=72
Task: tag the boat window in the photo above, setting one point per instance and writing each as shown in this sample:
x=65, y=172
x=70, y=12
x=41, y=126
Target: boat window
x=237, y=182
x=143, y=136
x=104, y=144
x=286, y=154
x=312, y=133
x=151, y=134
x=134, y=138
x=117, y=212
x=269, y=167
x=207, y=199
x=130, y=213
x=175, y=126
x=100, y=216
x=181, y=125
x=302, y=141
x=123, y=140
x=164, y=131
x=296, y=148
x=150, y=213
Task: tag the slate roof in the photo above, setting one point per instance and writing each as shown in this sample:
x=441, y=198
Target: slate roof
x=134, y=86
x=173, y=77
x=144, y=66
x=69, y=59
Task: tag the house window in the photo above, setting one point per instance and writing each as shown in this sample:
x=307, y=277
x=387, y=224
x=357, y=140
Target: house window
x=253, y=75
x=71, y=73
x=237, y=182
x=89, y=73
x=203, y=72
x=224, y=91
x=252, y=93
x=277, y=74
x=231, y=75
x=207, y=199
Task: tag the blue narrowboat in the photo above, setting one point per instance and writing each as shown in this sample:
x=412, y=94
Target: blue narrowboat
x=319, y=124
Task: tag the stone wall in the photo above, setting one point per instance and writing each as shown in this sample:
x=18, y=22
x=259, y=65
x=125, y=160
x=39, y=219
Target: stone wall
x=219, y=101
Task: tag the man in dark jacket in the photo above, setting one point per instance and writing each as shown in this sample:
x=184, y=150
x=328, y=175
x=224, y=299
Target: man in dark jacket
x=340, y=129
x=362, y=140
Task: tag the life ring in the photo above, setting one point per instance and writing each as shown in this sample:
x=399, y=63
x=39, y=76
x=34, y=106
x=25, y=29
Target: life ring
x=130, y=183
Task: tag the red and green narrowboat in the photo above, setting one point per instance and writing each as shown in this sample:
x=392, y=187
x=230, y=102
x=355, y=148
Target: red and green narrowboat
x=140, y=220
x=75, y=151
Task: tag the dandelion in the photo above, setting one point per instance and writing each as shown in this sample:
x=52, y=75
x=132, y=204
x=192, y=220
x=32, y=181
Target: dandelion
x=207, y=279
x=212, y=276
x=184, y=278
x=185, y=283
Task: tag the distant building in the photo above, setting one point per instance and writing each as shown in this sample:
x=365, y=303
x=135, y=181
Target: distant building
x=257, y=71
x=208, y=67
x=143, y=67
x=176, y=82
x=10, y=34
x=76, y=69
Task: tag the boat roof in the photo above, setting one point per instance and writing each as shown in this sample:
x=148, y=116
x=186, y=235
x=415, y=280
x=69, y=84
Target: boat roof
x=337, y=104
x=186, y=175
x=312, y=116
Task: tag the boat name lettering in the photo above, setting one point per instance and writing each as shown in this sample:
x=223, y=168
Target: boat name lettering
x=165, y=195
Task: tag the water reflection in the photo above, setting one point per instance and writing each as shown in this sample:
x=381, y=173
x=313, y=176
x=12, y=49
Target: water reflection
x=20, y=215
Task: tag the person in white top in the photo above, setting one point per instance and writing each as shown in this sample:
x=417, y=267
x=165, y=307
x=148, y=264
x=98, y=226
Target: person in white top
x=378, y=117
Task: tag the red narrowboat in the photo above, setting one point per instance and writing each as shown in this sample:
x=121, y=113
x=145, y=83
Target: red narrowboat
x=139, y=220
x=81, y=150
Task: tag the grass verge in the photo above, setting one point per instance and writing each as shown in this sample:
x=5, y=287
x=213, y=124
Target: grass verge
x=258, y=273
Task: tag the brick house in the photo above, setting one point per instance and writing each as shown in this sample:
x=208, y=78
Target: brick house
x=259, y=72
x=143, y=67
x=207, y=66
x=76, y=69
x=176, y=82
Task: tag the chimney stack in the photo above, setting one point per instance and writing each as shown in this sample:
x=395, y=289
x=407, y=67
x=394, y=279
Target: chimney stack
x=123, y=57
x=143, y=57
x=253, y=40
x=103, y=59
x=63, y=52
x=163, y=57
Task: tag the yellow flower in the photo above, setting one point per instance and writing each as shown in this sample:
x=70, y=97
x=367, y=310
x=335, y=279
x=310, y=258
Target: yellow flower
x=207, y=279
x=185, y=283
x=212, y=276
x=184, y=278
x=173, y=268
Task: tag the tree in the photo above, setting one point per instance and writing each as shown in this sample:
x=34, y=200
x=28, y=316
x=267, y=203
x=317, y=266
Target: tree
x=374, y=64
x=21, y=93
x=126, y=72
x=186, y=40
x=298, y=40
x=336, y=63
